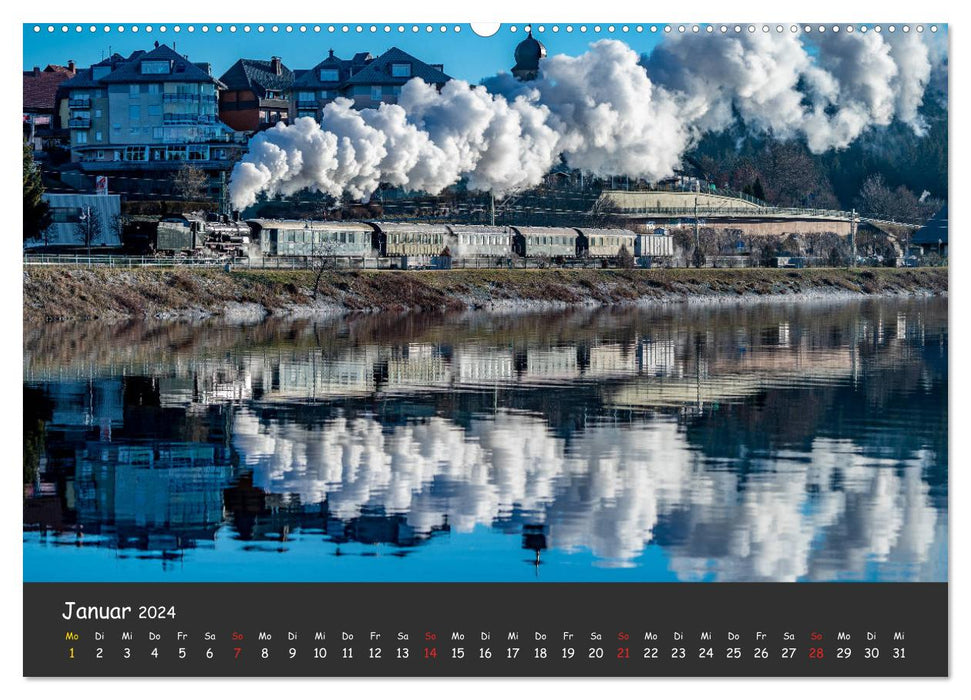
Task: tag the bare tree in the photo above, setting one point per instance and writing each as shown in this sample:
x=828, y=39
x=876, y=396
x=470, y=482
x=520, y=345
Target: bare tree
x=877, y=199
x=624, y=258
x=190, y=183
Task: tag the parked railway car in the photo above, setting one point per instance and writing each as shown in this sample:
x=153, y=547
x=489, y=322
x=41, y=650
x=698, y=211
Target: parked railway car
x=657, y=244
x=290, y=237
x=544, y=241
x=478, y=242
x=605, y=242
x=414, y=244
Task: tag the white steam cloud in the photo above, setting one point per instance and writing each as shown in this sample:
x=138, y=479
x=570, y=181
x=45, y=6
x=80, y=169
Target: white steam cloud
x=605, y=112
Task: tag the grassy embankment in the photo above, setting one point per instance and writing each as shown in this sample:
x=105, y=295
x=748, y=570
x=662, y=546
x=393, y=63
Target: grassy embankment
x=55, y=293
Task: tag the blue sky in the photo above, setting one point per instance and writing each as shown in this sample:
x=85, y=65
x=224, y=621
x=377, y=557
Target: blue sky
x=465, y=54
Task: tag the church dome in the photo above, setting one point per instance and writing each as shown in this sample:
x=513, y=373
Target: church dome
x=529, y=52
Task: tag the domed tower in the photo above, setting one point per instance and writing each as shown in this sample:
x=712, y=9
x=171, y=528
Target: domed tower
x=528, y=54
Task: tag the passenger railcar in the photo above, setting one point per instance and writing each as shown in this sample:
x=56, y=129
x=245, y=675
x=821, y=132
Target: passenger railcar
x=287, y=237
x=478, y=242
x=544, y=241
x=417, y=243
x=605, y=242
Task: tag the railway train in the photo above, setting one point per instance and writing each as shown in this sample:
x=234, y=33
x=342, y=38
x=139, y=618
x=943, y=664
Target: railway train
x=406, y=244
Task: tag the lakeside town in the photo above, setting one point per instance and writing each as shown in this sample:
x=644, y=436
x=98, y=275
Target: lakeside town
x=343, y=310
x=130, y=161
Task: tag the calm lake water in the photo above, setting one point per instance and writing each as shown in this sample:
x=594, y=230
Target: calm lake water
x=758, y=443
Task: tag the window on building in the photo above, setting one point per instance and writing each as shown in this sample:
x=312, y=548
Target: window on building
x=134, y=112
x=401, y=70
x=135, y=153
x=156, y=67
x=305, y=96
x=101, y=154
x=307, y=113
x=134, y=91
x=154, y=88
x=97, y=113
x=154, y=110
x=157, y=132
x=82, y=136
x=329, y=75
x=98, y=137
x=376, y=93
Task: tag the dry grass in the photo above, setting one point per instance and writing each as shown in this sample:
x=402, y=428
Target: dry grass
x=54, y=293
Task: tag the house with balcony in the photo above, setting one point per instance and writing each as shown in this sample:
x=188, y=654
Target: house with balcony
x=145, y=116
x=366, y=80
x=41, y=118
x=256, y=95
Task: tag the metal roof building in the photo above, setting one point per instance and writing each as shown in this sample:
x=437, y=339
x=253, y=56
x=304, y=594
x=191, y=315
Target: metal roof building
x=70, y=212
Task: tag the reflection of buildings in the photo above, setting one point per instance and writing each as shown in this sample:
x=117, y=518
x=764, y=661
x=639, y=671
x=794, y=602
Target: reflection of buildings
x=124, y=470
x=160, y=497
x=782, y=476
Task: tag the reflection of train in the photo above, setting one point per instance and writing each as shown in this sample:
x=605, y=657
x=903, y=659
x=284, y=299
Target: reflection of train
x=412, y=244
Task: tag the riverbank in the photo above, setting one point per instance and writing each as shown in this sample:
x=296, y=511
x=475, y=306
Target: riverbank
x=65, y=293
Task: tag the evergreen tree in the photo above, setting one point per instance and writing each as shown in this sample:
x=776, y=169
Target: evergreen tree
x=757, y=190
x=37, y=212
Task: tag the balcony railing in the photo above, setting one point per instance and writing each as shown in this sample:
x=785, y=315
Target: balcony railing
x=78, y=123
x=79, y=103
x=179, y=97
x=187, y=119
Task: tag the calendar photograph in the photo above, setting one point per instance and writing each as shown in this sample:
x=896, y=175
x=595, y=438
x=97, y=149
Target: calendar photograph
x=384, y=304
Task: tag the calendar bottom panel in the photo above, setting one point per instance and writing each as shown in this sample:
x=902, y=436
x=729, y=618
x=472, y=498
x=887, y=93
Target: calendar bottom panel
x=420, y=629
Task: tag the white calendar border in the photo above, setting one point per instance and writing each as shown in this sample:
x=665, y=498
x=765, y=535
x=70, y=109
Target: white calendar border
x=489, y=11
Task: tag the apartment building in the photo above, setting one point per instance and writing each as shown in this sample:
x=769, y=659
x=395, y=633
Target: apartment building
x=256, y=95
x=367, y=80
x=150, y=112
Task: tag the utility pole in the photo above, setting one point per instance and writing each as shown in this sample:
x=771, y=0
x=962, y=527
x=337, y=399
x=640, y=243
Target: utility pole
x=853, y=238
x=697, y=236
x=86, y=218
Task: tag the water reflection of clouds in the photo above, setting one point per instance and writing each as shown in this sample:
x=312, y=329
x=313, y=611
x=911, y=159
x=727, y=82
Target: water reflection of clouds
x=740, y=445
x=822, y=515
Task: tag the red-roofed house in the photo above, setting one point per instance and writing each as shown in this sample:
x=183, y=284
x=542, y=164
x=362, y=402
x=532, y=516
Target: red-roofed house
x=41, y=118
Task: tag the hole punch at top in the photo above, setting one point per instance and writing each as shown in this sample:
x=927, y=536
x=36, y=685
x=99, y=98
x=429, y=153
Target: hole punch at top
x=485, y=29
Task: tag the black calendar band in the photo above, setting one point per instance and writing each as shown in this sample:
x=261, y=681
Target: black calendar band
x=473, y=629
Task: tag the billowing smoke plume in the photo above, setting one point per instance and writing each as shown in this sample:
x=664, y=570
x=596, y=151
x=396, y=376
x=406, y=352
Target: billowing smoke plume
x=605, y=112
